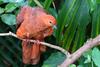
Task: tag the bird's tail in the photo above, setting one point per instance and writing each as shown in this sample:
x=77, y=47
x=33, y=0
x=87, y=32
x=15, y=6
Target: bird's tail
x=31, y=52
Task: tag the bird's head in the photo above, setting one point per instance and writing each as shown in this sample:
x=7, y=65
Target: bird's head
x=52, y=21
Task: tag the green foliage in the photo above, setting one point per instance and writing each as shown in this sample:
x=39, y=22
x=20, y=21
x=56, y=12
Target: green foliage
x=96, y=56
x=9, y=19
x=47, y=4
x=72, y=65
x=72, y=24
x=96, y=22
x=98, y=1
x=77, y=20
x=92, y=4
x=54, y=60
x=1, y=10
x=10, y=7
x=11, y=1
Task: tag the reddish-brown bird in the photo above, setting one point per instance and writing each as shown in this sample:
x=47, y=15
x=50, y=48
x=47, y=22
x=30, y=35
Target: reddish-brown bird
x=35, y=24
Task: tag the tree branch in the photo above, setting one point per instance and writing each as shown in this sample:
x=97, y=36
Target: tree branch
x=88, y=45
x=70, y=57
x=43, y=43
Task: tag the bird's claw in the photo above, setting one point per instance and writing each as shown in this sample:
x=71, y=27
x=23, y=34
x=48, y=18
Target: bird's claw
x=37, y=42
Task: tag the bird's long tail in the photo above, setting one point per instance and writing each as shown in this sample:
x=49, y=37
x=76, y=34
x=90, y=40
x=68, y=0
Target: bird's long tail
x=32, y=52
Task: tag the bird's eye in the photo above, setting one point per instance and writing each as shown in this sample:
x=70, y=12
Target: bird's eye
x=50, y=22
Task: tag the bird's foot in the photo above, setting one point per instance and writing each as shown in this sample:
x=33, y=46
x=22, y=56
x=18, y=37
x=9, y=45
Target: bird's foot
x=27, y=42
x=37, y=42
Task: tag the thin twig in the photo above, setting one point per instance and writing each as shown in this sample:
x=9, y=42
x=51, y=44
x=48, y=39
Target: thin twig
x=53, y=46
x=43, y=43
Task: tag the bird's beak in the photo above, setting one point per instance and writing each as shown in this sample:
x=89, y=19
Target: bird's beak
x=53, y=26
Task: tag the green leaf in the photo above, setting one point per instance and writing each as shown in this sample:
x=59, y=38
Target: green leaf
x=12, y=1
x=1, y=2
x=54, y=60
x=72, y=65
x=8, y=58
x=53, y=12
x=96, y=56
x=1, y=10
x=98, y=1
x=80, y=66
x=22, y=3
x=83, y=22
x=92, y=4
x=38, y=3
x=47, y=4
x=9, y=19
x=96, y=22
x=10, y=7
x=19, y=0
x=31, y=3
x=87, y=56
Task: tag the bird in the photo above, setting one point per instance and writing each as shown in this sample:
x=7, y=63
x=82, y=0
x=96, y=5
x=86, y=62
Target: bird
x=36, y=24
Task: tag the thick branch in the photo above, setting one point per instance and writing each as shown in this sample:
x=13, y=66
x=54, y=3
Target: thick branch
x=88, y=45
